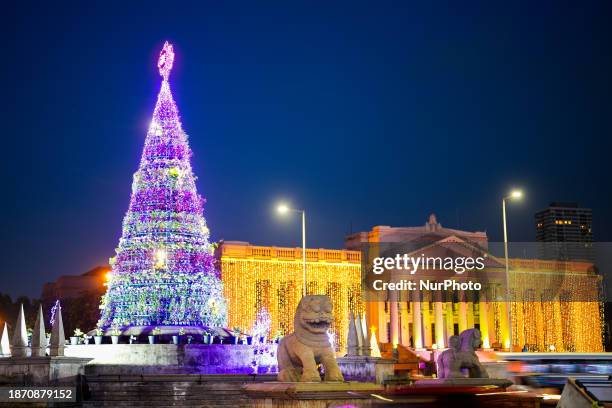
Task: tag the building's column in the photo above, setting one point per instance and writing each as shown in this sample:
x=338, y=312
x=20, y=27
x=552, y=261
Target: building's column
x=383, y=335
x=404, y=324
x=394, y=319
x=483, y=319
x=439, y=321
x=426, y=313
x=417, y=329
x=470, y=310
x=463, y=323
x=450, y=315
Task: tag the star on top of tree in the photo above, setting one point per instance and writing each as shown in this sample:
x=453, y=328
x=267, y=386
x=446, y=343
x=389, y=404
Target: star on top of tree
x=166, y=59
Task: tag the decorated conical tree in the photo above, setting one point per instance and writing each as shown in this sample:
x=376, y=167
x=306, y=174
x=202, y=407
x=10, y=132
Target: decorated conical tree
x=164, y=272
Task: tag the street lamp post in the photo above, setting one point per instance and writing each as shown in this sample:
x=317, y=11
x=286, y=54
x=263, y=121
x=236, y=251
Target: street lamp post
x=514, y=195
x=283, y=209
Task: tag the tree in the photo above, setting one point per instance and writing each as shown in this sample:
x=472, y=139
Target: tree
x=164, y=272
x=9, y=309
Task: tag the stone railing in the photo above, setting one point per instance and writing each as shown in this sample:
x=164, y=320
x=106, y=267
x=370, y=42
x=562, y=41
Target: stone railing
x=245, y=250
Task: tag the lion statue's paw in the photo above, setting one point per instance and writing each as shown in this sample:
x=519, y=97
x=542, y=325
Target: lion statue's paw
x=333, y=374
x=288, y=375
x=310, y=376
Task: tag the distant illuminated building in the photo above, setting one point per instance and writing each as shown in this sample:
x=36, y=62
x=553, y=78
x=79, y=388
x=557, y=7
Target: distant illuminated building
x=566, y=231
x=427, y=320
x=75, y=286
x=257, y=277
x=79, y=296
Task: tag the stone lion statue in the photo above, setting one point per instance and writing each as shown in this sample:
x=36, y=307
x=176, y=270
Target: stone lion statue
x=301, y=351
x=461, y=355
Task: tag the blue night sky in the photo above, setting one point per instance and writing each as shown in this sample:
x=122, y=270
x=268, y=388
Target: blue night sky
x=365, y=114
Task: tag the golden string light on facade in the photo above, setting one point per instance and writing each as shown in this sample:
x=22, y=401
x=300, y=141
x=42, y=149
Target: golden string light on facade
x=571, y=321
x=555, y=306
x=269, y=277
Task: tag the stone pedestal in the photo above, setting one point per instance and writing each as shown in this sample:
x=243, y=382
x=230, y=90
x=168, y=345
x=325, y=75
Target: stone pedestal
x=311, y=395
x=366, y=369
x=170, y=358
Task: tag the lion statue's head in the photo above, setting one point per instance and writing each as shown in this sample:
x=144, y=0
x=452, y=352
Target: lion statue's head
x=470, y=340
x=313, y=318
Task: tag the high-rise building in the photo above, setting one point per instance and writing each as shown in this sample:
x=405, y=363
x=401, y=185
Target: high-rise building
x=566, y=231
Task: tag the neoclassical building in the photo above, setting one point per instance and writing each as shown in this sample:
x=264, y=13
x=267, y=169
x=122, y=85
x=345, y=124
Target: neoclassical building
x=570, y=319
x=257, y=277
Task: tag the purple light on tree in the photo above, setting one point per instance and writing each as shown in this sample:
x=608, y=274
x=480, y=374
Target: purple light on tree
x=164, y=271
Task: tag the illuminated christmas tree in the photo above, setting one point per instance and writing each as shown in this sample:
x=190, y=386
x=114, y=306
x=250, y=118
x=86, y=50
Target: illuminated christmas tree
x=164, y=272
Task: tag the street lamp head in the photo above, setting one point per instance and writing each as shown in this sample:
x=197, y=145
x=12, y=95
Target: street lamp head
x=516, y=194
x=282, y=208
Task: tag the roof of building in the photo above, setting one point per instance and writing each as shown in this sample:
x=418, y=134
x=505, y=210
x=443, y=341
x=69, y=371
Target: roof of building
x=428, y=233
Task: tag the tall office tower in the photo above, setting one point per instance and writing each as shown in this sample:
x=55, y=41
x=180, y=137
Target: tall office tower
x=566, y=231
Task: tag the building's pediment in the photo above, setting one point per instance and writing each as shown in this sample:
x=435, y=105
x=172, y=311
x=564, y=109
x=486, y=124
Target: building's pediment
x=447, y=247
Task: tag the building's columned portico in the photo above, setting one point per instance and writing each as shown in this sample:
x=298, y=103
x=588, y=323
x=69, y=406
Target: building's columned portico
x=425, y=319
